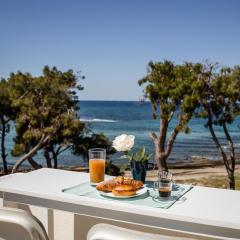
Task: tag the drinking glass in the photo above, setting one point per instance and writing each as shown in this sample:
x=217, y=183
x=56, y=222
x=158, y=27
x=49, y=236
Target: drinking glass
x=164, y=175
x=163, y=188
x=97, y=159
x=164, y=184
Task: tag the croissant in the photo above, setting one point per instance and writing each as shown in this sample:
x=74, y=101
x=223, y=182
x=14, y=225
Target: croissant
x=108, y=185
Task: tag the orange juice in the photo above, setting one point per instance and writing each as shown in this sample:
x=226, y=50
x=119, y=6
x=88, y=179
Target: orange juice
x=97, y=170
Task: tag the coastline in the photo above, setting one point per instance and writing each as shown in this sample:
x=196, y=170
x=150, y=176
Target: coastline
x=201, y=176
x=199, y=171
x=117, y=117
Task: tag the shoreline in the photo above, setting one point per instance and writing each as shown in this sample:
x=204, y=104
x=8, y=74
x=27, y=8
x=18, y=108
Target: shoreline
x=199, y=171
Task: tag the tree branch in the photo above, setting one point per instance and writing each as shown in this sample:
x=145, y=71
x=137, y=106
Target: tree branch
x=64, y=149
x=172, y=140
x=42, y=141
x=170, y=116
x=58, y=149
x=47, y=157
x=33, y=163
x=163, y=134
x=183, y=120
x=215, y=139
x=154, y=137
x=231, y=144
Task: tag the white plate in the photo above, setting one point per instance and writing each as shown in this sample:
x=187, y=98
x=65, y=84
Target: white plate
x=140, y=192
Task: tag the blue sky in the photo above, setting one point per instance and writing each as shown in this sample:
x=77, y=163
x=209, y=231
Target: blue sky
x=111, y=42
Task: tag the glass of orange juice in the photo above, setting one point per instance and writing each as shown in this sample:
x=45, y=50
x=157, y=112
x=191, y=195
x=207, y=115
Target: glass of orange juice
x=97, y=159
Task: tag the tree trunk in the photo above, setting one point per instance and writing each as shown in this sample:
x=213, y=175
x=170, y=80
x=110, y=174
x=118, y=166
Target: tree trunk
x=231, y=178
x=162, y=134
x=154, y=138
x=159, y=143
x=42, y=141
x=230, y=169
x=47, y=157
x=160, y=157
x=232, y=158
x=55, y=160
x=34, y=164
x=3, y=149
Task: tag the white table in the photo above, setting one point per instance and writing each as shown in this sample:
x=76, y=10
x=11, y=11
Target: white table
x=206, y=210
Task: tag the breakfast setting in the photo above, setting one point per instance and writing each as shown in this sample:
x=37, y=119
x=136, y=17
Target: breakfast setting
x=162, y=193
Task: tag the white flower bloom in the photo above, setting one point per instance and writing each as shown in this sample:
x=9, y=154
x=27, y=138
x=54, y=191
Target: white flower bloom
x=123, y=142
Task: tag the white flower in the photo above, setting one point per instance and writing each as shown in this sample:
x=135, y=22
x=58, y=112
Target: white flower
x=123, y=142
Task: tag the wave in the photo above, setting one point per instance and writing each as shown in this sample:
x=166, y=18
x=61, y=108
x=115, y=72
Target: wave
x=97, y=120
x=203, y=157
x=235, y=145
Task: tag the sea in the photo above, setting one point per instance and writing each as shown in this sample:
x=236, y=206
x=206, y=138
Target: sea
x=134, y=117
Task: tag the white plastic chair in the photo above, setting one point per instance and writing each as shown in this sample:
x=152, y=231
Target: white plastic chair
x=103, y=231
x=16, y=224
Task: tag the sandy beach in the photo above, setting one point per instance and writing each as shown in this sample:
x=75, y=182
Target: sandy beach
x=186, y=174
x=199, y=171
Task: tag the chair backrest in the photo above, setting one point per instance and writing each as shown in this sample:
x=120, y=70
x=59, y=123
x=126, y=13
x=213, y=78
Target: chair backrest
x=16, y=224
x=103, y=231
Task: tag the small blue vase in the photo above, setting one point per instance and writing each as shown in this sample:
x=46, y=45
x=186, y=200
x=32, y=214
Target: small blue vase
x=139, y=170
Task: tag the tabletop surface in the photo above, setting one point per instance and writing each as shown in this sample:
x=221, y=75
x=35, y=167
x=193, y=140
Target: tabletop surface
x=203, y=205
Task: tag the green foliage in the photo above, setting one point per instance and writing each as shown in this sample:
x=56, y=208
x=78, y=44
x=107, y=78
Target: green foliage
x=5, y=103
x=173, y=88
x=114, y=170
x=139, y=156
x=47, y=105
x=173, y=91
x=46, y=116
x=220, y=105
x=222, y=95
x=84, y=142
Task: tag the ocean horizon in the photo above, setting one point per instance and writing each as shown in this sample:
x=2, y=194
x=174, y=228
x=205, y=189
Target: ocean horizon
x=113, y=118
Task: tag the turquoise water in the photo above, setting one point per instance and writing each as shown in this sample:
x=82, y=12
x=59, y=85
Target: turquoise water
x=117, y=117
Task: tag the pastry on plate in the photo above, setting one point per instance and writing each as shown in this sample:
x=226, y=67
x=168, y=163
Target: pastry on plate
x=124, y=190
x=106, y=186
x=110, y=184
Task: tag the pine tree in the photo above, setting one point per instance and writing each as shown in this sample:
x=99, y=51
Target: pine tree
x=173, y=92
x=221, y=107
x=47, y=115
